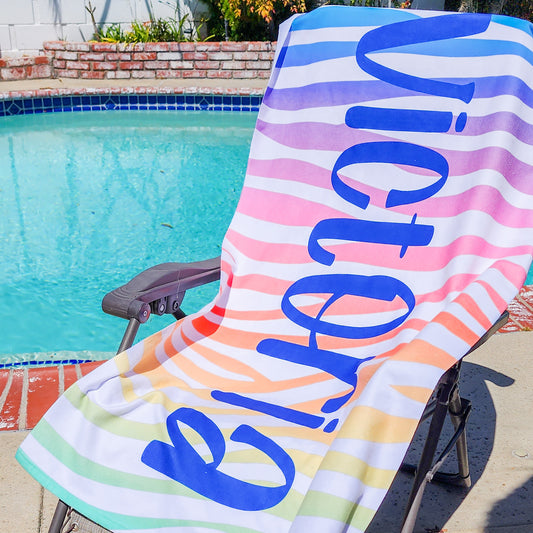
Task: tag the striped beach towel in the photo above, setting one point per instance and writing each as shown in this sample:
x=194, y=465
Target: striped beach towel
x=385, y=223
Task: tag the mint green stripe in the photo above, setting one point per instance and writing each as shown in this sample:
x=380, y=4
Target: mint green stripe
x=321, y=504
x=115, y=520
x=48, y=437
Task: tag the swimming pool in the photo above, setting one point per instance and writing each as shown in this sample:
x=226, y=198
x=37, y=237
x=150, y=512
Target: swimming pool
x=90, y=199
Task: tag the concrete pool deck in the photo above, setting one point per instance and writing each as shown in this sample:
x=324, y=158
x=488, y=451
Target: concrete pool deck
x=496, y=378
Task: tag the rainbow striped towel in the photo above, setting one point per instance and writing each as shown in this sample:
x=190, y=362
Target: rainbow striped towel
x=385, y=222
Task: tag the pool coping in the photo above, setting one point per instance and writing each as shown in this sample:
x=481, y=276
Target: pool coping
x=140, y=97
x=148, y=89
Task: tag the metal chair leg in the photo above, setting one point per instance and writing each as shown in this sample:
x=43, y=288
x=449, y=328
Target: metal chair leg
x=59, y=517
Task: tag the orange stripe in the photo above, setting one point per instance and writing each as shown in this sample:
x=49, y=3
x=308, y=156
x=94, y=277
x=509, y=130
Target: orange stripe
x=419, y=394
x=468, y=304
x=455, y=326
x=255, y=381
x=420, y=351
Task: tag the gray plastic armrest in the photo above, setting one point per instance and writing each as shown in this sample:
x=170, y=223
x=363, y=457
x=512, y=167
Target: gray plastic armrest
x=159, y=289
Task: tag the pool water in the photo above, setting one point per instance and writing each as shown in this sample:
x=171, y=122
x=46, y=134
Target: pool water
x=91, y=199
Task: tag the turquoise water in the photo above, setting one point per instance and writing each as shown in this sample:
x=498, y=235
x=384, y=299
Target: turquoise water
x=91, y=199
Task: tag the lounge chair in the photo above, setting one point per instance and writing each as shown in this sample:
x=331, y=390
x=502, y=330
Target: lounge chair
x=386, y=221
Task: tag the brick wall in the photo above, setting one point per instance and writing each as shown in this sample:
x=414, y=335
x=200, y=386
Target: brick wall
x=25, y=68
x=94, y=60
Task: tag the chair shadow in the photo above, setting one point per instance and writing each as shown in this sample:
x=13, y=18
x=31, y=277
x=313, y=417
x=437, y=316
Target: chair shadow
x=441, y=501
x=519, y=502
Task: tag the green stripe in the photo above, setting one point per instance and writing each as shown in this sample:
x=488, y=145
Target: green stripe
x=48, y=437
x=325, y=505
x=118, y=521
x=112, y=423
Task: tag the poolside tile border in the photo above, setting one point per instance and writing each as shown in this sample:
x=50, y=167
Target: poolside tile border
x=129, y=98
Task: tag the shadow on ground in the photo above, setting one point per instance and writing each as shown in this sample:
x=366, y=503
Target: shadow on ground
x=440, y=501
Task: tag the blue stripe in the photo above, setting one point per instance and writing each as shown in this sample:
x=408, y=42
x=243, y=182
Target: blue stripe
x=306, y=54
x=346, y=16
x=518, y=24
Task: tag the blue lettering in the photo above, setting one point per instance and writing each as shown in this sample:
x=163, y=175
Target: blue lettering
x=373, y=118
x=418, y=31
x=398, y=153
x=395, y=233
x=382, y=288
x=183, y=464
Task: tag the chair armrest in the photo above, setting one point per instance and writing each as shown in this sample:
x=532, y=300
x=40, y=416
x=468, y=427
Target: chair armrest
x=159, y=289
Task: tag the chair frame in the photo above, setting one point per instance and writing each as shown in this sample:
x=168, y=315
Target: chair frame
x=161, y=289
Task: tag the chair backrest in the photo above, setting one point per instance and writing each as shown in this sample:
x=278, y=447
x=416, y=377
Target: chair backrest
x=385, y=223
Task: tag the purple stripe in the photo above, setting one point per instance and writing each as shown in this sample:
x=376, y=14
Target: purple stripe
x=354, y=92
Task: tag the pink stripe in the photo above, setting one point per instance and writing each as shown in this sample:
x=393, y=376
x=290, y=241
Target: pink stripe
x=287, y=254
x=284, y=209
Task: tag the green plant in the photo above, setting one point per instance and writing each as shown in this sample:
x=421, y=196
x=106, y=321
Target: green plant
x=153, y=30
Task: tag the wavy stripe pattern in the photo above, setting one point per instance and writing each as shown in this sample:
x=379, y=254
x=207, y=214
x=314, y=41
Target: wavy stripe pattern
x=386, y=221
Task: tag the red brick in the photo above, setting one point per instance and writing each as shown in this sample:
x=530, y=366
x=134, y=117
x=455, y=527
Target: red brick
x=154, y=65
x=220, y=56
x=207, y=65
x=179, y=65
x=233, y=65
x=78, y=47
x=164, y=74
x=9, y=417
x=60, y=63
x=246, y=56
x=226, y=74
x=69, y=56
x=186, y=47
x=43, y=391
x=156, y=47
x=13, y=74
x=118, y=56
x=92, y=56
x=144, y=56
x=245, y=74
x=20, y=62
x=65, y=73
x=195, y=56
x=166, y=56
x=266, y=56
x=3, y=63
x=54, y=45
x=264, y=74
x=206, y=46
x=93, y=75
x=39, y=72
x=78, y=65
x=130, y=65
x=42, y=60
x=260, y=65
x=194, y=74
x=259, y=46
x=118, y=74
x=103, y=47
x=231, y=46
x=104, y=65
x=143, y=74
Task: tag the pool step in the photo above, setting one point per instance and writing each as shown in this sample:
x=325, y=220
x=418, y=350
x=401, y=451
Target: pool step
x=27, y=393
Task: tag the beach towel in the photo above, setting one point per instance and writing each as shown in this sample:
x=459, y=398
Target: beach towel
x=384, y=224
